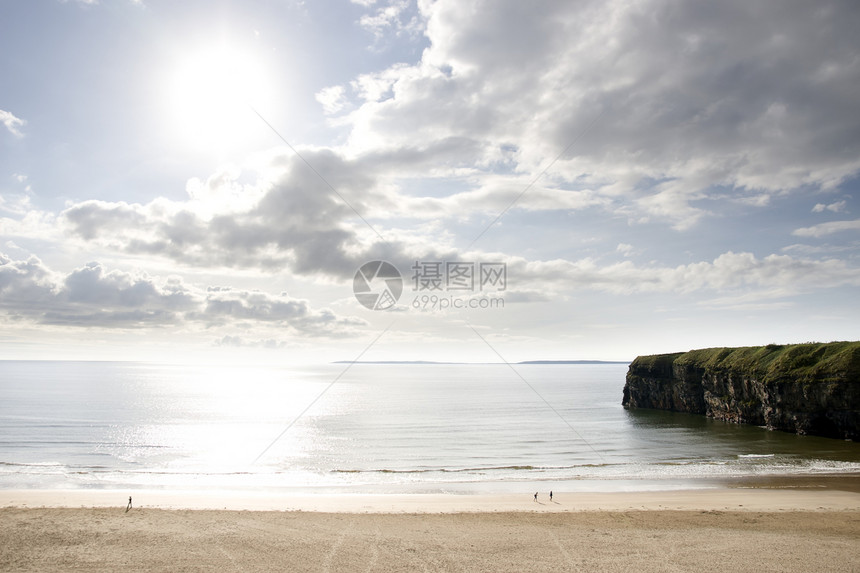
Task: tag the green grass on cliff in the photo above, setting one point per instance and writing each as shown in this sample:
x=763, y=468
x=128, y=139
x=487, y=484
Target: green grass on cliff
x=810, y=361
x=657, y=361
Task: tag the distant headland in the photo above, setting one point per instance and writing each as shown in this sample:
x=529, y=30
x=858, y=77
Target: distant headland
x=419, y=362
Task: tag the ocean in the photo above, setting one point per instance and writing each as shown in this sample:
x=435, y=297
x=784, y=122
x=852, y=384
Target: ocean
x=375, y=428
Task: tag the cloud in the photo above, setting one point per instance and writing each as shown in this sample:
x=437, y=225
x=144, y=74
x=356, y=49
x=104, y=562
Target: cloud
x=293, y=221
x=241, y=342
x=16, y=204
x=836, y=207
x=297, y=222
x=12, y=123
x=332, y=99
x=95, y=2
x=92, y=296
x=89, y=296
x=625, y=249
x=254, y=307
x=25, y=286
x=391, y=16
x=665, y=109
x=752, y=301
x=823, y=229
x=92, y=285
x=92, y=218
x=28, y=222
x=664, y=102
x=224, y=306
x=493, y=194
x=822, y=248
x=290, y=218
x=729, y=272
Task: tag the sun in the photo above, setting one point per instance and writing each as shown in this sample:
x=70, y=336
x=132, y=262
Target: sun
x=213, y=93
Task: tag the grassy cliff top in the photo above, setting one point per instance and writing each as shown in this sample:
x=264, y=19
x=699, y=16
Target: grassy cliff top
x=656, y=361
x=810, y=361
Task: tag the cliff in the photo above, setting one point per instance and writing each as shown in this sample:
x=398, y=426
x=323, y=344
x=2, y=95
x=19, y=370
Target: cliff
x=803, y=388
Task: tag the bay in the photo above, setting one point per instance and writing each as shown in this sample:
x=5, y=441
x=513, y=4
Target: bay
x=423, y=428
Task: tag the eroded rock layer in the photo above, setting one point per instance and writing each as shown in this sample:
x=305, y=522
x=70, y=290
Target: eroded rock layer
x=804, y=388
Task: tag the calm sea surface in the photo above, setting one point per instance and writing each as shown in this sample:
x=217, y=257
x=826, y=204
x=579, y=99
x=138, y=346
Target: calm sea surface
x=377, y=428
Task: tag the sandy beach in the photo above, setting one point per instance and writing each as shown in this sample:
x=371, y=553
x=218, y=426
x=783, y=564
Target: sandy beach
x=803, y=528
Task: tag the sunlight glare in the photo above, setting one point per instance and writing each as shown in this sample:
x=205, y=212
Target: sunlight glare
x=212, y=92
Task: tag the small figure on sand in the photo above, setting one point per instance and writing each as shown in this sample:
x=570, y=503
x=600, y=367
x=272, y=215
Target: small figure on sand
x=536, y=496
x=550, y=495
x=129, y=504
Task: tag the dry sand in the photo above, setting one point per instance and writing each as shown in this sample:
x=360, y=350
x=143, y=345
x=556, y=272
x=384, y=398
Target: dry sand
x=803, y=529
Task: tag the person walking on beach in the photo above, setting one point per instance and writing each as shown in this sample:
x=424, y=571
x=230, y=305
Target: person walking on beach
x=536, y=496
x=129, y=504
x=550, y=495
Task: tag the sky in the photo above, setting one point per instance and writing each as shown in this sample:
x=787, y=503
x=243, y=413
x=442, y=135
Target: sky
x=552, y=180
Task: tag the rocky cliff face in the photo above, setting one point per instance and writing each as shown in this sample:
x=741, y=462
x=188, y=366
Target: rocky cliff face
x=802, y=388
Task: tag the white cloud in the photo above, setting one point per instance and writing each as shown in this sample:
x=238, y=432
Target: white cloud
x=293, y=220
x=754, y=98
x=759, y=300
x=827, y=249
x=836, y=207
x=297, y=222
x=493, y=194
x=243, y=342
x=823, y=229
x=625, y=249
x=672, y=204
x=12, y=123
x=93, y=297
x=390, y=16
x=332, y=99
x=15, y=204
x=94, y=2
x=728, y=273
x=27, y=221
x=255, y=307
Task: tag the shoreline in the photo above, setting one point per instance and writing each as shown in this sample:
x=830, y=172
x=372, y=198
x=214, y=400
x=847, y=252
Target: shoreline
x=784, y=493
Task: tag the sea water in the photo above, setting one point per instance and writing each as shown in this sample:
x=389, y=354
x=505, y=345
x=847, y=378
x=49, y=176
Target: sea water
x=370, y=428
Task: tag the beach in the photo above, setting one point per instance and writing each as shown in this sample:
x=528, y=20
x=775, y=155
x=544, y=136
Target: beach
x=803, y=528
x=400, y=469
